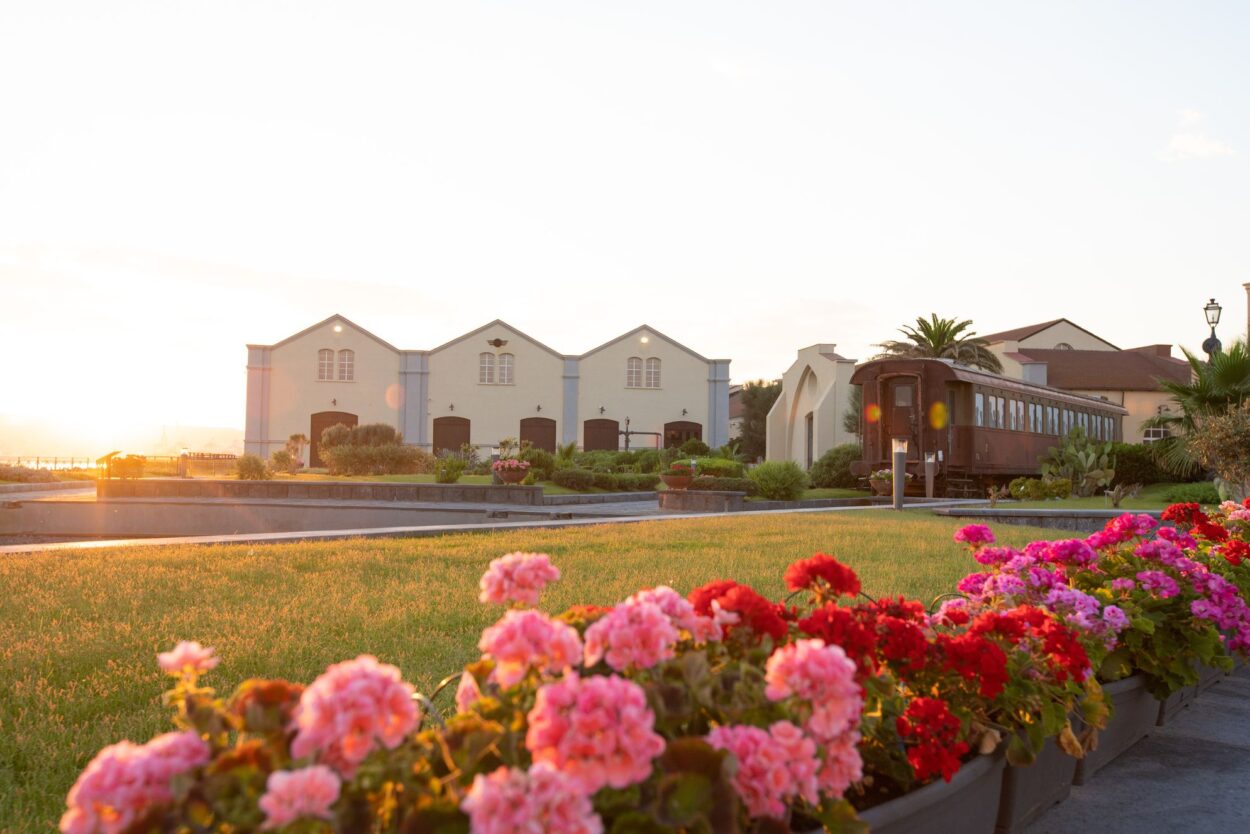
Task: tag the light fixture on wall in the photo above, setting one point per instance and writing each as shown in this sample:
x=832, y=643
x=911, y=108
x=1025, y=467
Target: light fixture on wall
x=451, y=407
x=538, y=408
x=496, y=343
x=684, y=412
x=334, y=402
x=602, y=409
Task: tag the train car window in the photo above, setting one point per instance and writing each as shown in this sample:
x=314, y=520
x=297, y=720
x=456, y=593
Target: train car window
x=980, y=409
x=993, y=421
x=902, y=395
x=1002, y=409
x=1020, y=415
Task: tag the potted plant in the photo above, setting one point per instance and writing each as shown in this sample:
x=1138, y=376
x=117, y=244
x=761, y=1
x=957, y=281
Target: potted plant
x=882, y=481
x=679, y=475
x=511, y=470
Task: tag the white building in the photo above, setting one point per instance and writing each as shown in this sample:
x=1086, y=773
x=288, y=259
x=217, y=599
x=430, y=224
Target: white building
x=479, y=388
x=806, y=420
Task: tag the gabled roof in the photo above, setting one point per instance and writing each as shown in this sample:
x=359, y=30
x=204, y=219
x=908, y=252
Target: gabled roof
x=1033, y=329
x=1108, y=370
x=640, y=328
x=504, y=324
x=333, y=318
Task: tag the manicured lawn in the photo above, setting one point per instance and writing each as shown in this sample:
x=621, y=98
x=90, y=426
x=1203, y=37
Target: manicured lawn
x=79, y=631
x=1151, y=498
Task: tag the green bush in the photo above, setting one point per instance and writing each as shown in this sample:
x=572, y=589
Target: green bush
x=704, y=482
x=391, y=459
x=719, y=467
x=1134, y=464
x=648, y=461
x=578, y=479
x=336, y=435
x=833, y=468
x=598, y=461
x=447, y=470
x=695, y=448
x=605, y=481
x=1040, y=489
x=131, y=466
x=374, y=434
x=25, y=475
x=1203, y=492
x=542, y=463
x=779, y=480
x=639, y=482
x=251, y=468
x=281, y=461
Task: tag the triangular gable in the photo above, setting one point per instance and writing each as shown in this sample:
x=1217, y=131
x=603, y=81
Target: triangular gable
x=506, y=326
x=1021, y=333
x=333, y=318
x=640, y=328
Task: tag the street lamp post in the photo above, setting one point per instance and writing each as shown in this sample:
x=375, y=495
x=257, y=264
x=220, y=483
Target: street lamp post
x=1212, y=345
x=899, y=445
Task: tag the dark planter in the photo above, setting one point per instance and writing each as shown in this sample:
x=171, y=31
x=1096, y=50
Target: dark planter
x=880, y=486
x=1028, y=792
x=1134, y=714
x=1171, y=706
x=1208, y=676
x=677, y=481
x=968, y=804
x=512, y=476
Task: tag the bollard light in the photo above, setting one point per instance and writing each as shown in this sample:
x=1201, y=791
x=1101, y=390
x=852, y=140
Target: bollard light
x=899, y=445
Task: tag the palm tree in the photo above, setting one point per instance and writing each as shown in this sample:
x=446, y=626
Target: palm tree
x=1215, y=387
x=943, y=339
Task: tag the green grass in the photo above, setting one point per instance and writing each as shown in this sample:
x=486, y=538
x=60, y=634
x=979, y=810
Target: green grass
x=1151, y=498
x=79, y=630
x=549, y=487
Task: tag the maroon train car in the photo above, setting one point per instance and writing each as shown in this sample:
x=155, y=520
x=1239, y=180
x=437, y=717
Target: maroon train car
x=983, y=428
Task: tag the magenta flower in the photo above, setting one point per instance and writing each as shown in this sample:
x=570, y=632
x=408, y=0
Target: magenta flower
x=1070, y=552
x=1159, y=582
x=126, y=780
x=351, y=708
x=307, y=793
x=541, y=801
x=598, y=731
x=633, y=635
x=774, y=766
x=996, y=555
x=188, y=657
x=1123, y=583
x=975, y=535
x=529, y=639
x=517, y=577
x=1114, y=617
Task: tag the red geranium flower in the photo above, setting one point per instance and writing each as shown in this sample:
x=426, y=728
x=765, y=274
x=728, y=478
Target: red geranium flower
x=1235, y=551
x=844, y=627
x=929, y=722
x=806, y=574
x=975, y=659
x=753, y=610
x=903, y=643
x=1210, y=532
x=905, y=609
x=1188, y=513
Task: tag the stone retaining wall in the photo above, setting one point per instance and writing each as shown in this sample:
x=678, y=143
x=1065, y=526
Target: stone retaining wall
x=701, y=501
x=1078, y=521
x=531, y=496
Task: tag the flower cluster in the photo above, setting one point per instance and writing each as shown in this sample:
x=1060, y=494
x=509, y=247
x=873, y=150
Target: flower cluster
x=188, y=657
x=774, y=765
x=517, y=578
x=934, y=735
x=822, y=573
x=542, y=800
x=529, y=639
x=634, y=635
x=307, y=793
x=738, y=607
x=510, y=465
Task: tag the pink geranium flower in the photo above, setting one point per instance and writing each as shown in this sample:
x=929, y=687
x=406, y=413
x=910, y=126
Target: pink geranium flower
x=529, y=639
x=125, y=780
x=349, y=710
x=299, y=794
x=517, y=577
x=467, y=692
x=681, y=612
x=774, y=766
x=975, y=535
x=599, y=731
x=187, y=657
x=542, y=801
x=824, y=677
x=634, y=635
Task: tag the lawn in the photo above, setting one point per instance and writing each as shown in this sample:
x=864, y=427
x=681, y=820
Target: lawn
x=1151, y=498
x=549, y=488
x=79, y=631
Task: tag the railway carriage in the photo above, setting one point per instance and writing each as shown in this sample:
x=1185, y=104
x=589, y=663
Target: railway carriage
x=981, y=427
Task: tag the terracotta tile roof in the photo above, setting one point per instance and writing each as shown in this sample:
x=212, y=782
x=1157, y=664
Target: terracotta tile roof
x=1108, y=370
x=1018, y=333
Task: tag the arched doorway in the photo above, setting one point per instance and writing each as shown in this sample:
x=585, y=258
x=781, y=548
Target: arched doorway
x=540, y=432
x=321, y=421
x=679, y=431
x=450, y=433
x=600, y=435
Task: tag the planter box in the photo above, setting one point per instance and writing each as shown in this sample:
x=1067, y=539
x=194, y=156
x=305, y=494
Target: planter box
x=1174, y=703
x=968, y=804
x=1028, y=792
x=1134, y=714
x=1208, y=676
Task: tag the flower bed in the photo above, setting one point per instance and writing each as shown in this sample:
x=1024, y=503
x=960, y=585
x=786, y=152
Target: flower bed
x=718, y=711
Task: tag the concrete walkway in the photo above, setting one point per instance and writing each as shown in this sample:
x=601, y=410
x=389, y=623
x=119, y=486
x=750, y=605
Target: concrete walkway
x=1192, y=776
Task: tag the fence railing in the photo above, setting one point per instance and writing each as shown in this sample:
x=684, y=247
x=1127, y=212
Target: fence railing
x=197, y=464
x=47, y=462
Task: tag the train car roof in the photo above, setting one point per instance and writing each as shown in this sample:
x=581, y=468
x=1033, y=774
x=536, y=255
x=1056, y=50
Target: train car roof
x=966, y=373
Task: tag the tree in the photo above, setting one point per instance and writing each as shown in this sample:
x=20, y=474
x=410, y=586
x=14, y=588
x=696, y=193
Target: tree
x=943, y=339
x=1215, y=388
x=757, y=398
x=1222, y=442
x=852, y=418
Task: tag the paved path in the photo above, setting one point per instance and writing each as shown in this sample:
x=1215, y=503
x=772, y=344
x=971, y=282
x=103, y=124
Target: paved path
x=1192, y=776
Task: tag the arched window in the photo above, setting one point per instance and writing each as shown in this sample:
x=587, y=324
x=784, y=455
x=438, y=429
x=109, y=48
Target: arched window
x=325, y=364
x=1063, y=346
x=505, y=368
x=486, y=368
x=653, y=373
x=633, y=372
x=347, y=365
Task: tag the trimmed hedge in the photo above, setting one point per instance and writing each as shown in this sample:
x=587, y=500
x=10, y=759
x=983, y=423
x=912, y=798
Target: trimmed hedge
x=705, y=482
x=391, y=459
x=833, y=468
x=1039, y=489
x=578, y=479
x=719, y=467
x=1203, y=492
x=779, y=480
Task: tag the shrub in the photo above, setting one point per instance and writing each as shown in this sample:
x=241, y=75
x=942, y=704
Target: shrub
x=449, y=469
x=597, y=461
x=1039, y=489
x=638, y=482
x=719, y=467
x=704, y=482
x=252, y=468
x=391, y=459
x=578, y=479
x=833, y=468
x=780, y=480
x=542, y=463
x=1135, y=464
x=605, y=481
x=25, y=475
x=695, y=448
x=1203, y=492
x=648, y=461
x=281, y=461
x=131, y=466
x=374, y=434
x=1222, y=443
x=1089, y=465
x=336, y=435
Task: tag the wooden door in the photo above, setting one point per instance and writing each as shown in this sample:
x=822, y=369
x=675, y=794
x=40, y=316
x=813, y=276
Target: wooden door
x=902, y=396
x=679, y=431
x=450, y=433
x=540, y=432
x=321, y=421
x=601, y=434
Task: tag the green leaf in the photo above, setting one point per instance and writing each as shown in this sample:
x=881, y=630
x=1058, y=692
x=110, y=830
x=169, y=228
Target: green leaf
x=1019, y=753
x=1143, y=624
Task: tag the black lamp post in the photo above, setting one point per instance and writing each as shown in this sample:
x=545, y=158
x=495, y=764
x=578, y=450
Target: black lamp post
x=1212, y=345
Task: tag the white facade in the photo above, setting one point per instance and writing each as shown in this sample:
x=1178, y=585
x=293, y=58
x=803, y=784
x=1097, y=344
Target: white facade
x=806, y=420
x=482, y=386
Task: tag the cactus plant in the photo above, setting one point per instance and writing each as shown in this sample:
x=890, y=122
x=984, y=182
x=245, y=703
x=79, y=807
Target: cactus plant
x=1088, y=465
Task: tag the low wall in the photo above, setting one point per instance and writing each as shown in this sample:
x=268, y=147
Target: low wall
x=701, y=501
x=531, y=496
x=44, y=486
x=1078, y=521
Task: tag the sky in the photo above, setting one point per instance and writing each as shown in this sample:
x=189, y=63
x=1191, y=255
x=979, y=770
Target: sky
x=180, y=179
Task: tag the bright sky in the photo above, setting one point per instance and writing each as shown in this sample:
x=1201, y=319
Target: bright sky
x=178, y=179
